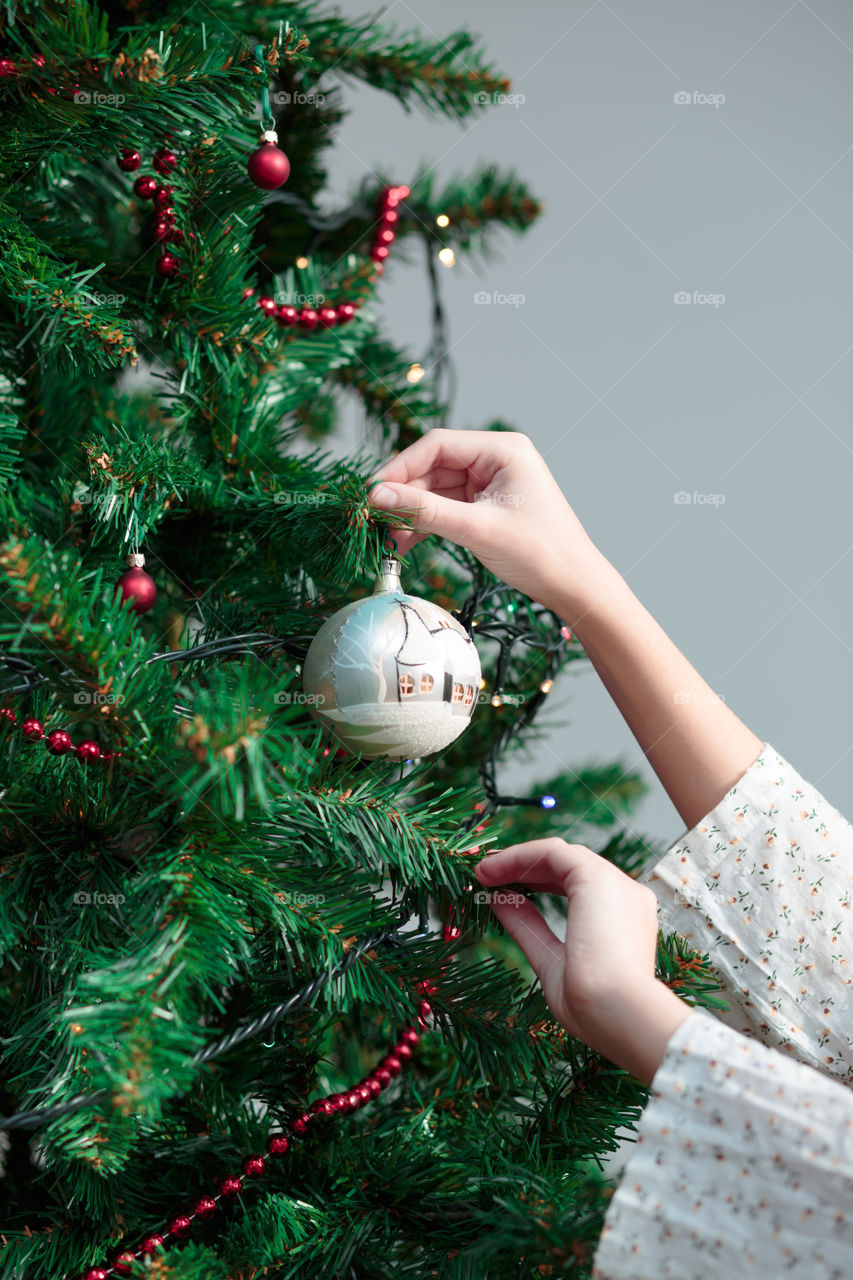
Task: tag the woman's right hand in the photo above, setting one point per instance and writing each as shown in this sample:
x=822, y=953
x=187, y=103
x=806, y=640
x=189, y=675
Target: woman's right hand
x=492, y=492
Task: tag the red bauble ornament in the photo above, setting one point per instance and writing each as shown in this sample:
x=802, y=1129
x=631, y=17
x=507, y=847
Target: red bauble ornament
x=278, y=1144
x=328, y=316
x=129, y=160
x=163, y=196
x=403, y=1052
x=267, y=304
x=373, y=1086
x=123, y=1263
x=96, y=1273
x=410, y=1036
x=151, y=1244
x=88, y=751
x=162, y=229
x=254, y=1166
x=180, y=1225
x=32, y=730
x=392, y=1064
x=345, y=311
x=136, y=586
x=286, y=315
x=145, y=186
x=58, y=742
x=165, y=160
x=386, y=236
x=302, y=1123
x=383, y=1075
x=308, y=318
x=268, y=167
x=379, y=252
x=231, y=1186
x=390, y=218
x=6, y=713
x=321, y=1107
x=205, y=1207
x=7, y=69
x=363, y=1092
x=168, y=265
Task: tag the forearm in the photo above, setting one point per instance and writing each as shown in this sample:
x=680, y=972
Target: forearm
x=696, y=745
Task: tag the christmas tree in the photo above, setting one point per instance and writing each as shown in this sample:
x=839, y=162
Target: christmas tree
x=255, y=1018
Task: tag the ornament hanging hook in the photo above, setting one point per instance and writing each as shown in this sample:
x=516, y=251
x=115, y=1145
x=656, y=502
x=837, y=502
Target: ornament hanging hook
x=267, y=118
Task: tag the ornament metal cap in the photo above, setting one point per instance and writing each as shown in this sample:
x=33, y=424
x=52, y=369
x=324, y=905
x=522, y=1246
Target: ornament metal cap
x=136, y=560
x=268, y=135
x=389, y=576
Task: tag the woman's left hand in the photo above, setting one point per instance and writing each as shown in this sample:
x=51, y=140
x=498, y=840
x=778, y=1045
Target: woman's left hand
x=600, y=982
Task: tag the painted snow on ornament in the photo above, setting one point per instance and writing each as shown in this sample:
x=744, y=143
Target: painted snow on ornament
x=393, y=675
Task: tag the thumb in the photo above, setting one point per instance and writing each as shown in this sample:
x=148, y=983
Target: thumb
x=447, y=517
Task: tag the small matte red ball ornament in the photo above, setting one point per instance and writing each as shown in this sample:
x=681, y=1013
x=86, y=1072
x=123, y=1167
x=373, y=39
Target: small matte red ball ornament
x=231, y=1186
x=123, y=1263
x=168, y=265
x=308, y=318
x=151, y=1244
x=145, y=186
x=88, y=751
x=165, y=161
x=180, y=1225
x=32, y=730
x=129, y=160
x=137, y=588
x=379, y=252
x=302, y=1123
x=58, y=742
x=163, y=196
x=278, y=1144
x=254, y=1166
x=6, y=713
x=205, y=1207
x=286, y=315
x=268, y=167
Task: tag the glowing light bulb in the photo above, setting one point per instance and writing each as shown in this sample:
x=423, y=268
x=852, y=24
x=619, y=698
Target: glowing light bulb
x=442, y=220
x=565, y=633
x=446, y=257
x=415, y=373
x=482, y=684
x=496, y=699
x=302, y=263
x=546, y=686
x=547, y=802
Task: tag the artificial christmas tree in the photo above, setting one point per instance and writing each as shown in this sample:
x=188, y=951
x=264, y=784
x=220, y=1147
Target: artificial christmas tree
x=255, y=1019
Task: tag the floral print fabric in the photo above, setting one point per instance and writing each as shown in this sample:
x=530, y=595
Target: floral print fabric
x=744, y=1157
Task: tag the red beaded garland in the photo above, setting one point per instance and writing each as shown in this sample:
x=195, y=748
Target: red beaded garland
x=151, y=1244
x=328, y=316
x=87, y=751
x=165, y=161
x=58, y=742
x=379, y=252
x=96, y=1273
x=392, y=1064
x=8, y=714
x=180, y=1225
x=123, y=1263
x=403, y=1051
x=373, y=1086
x=363, y=1093
x=167, y=265
x=162, y=229
x=383, y=1075
x=204, y=1207
x=278, y=1144
x=345, y=311
x=32, y=730
x=145, y=186
x=254, y=1166
x=410, y=1036
x=308, y=318
x=286, y=315
x=163, y=196
x=301, y=1123
x=231, y=1186
x=129, y=160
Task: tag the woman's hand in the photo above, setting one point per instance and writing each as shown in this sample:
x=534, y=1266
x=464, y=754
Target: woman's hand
x=600, y=982
x=492, y=492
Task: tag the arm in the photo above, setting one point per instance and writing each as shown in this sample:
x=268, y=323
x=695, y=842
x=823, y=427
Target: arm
x=493, y=493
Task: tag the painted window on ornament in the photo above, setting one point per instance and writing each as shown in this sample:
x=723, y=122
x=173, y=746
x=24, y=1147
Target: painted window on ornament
x=426, y=684
x=407, y=685
x=457, y=692
x=469, y=694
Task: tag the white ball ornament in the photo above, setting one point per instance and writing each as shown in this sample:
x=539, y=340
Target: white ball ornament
x=392, y=675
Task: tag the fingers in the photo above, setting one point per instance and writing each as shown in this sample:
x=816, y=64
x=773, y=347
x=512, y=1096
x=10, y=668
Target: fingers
x=525, y=924
x=449, y=517
x=481, y=452
x=544, y=865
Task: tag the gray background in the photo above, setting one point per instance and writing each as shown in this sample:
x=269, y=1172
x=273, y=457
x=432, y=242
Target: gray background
x=633, y=397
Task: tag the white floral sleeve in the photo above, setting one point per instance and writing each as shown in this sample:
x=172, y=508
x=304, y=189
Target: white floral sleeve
x=764, y=885
x=744, y=1156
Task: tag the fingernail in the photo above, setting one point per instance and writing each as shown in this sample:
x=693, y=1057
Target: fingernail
x=383, y=496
